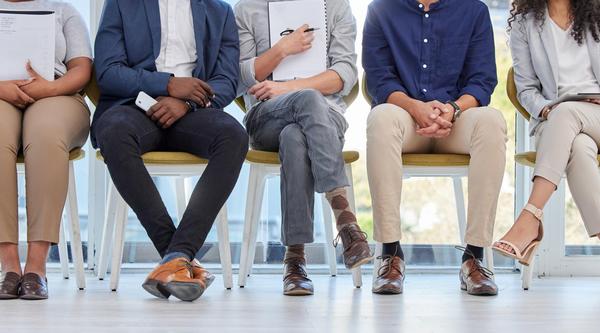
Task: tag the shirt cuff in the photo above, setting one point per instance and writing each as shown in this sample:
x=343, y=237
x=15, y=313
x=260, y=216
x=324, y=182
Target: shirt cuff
x=384, y=92
x=480, y=95
x=348, y=76
x=247, y=75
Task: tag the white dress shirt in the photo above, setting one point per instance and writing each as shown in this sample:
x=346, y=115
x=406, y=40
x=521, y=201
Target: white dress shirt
x=177, y=40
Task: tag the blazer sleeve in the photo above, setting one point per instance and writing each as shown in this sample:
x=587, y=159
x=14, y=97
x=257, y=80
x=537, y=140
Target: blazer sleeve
x=529, y=87
x=115, y=77
x=225, y=76
x=479, y=70
x=378, y=61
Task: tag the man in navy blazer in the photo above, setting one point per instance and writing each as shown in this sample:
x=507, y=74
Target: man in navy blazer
x=185, y=55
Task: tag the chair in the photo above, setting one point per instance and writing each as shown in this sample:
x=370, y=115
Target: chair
x=264, y=165
x=170, y=164
x=70, y=222
x=455, y=166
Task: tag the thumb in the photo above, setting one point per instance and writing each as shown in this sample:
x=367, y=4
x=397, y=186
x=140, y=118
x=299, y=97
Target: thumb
x=30, y=70
x=21, y=83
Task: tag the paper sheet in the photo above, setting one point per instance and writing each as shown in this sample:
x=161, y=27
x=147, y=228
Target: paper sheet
x=26, y=35
x=286, y=15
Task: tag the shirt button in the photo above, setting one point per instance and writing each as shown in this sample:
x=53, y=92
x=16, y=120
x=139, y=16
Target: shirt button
x=424, y=65
x=425, y=40
x=425, y=90
x=426, y=15
x=420, y=5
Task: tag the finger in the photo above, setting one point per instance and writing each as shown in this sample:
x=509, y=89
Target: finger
x=201, y=99
x=442, y=133
x=306, y=47
x=21, y=83
x=163, y=120
x=24, y=97
x=440, y=106
x=261, y=92
x=302, y=28
x=430, y=130
x=169, y=122
x=256, y=87
x=154, y=108
x=30, y=69
x=159, y=113
x=208, y=89
x=443, y=122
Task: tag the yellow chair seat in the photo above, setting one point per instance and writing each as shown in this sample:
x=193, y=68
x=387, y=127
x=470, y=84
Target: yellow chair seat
x=436, y=160
x=75, y=155
x=267, y=157
x=166, y=158
x=529, y=158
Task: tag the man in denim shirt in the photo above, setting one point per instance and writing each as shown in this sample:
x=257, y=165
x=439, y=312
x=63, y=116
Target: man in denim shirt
x=431, y=71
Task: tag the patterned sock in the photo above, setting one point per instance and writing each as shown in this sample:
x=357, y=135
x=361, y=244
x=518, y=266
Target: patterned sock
x=341, y=208
x=294, y=251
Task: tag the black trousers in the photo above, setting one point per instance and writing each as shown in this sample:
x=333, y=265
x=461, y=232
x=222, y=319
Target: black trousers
x=124, y=133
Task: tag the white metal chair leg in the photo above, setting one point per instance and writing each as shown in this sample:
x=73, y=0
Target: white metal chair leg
x=489, y=258
x=119, y=243
x=108, y=231
x=460, y=208
x=180, y=195
x=224, y=247
x=356, y=273
x=63, y=253
x=73, y=218
x=256, y=186
x=377, y=262
x=330, y=253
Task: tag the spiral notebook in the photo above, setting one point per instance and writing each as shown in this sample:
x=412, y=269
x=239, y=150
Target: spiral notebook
x=290, y=15
x=30, y=35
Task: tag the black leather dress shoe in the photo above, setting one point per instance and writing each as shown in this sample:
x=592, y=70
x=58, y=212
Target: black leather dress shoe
x=33, y=287
x=10, y=283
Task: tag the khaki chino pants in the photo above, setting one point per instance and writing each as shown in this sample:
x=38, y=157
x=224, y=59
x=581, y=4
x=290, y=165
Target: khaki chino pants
x=479, y=132
x=46, y=132
x=568, y=143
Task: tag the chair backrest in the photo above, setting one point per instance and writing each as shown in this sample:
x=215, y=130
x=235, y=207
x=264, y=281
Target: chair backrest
x=365, y=91
x=92, y=91
x=511, y=91
x=349, y=99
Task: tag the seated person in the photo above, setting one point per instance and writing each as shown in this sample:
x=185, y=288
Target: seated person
x=431, y=72
x=44, y=120
x=185, y=54
x=303, y=120
x=563, y=59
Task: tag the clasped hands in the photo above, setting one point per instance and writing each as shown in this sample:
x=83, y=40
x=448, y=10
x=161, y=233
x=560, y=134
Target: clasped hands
x=22, y=93
x=434, y=119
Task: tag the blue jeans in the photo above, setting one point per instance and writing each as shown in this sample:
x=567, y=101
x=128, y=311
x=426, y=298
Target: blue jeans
x=124, y=133
x=309, y=137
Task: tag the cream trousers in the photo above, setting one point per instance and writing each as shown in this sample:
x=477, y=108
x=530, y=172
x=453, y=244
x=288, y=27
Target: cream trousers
x=568, y=143
x=46, y=132
x=479, y=132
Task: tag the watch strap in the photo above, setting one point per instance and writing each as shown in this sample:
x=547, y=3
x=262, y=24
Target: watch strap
x=457, y=110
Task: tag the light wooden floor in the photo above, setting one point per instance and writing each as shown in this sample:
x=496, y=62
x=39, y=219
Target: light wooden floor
x=431, y=303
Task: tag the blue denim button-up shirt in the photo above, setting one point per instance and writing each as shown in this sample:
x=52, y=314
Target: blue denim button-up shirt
x=439, y=55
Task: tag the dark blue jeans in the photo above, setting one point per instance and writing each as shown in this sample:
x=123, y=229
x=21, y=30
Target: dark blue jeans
x=125, y=133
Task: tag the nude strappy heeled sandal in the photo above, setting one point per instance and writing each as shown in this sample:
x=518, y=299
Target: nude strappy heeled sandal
x=526, y=256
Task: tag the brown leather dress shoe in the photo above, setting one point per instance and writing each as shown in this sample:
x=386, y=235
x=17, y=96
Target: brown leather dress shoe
x=33, y=287
x=390, y=276
x=476, y=279
x=10, y=282
x=200, y=273
x=356, y=247
x=295, y=279
x=174, y=278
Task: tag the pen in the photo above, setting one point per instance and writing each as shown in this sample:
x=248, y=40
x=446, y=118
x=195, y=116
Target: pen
x=289, y=31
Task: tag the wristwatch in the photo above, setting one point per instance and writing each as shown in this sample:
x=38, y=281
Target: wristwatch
x=191, y=106
x=457, y=110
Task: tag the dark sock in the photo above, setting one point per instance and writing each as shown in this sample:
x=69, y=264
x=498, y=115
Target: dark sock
x=393, y=249
x=294, y=251
x=172, y=256
x=472, y=251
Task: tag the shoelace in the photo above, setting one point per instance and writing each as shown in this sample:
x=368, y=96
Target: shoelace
x=353, y=234
x=483, y=270
x=296, y=267
x=383, y=270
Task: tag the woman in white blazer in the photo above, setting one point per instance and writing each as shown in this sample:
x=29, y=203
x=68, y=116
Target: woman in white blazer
x=555, y=47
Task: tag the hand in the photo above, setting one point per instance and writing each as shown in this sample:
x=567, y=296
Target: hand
x=191, y=89
x=296, y=42
x=11, y=92
x=441, y=125
x=167, y=111
x=269, y=89
x=39, y=87
x=593, y=101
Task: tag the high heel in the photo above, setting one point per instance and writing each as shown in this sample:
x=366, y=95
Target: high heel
x=526, y=256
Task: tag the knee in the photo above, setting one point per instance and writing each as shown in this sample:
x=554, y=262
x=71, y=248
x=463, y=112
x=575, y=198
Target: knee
x=583, y=148
x=384, y=118
x=235, y=137
x=489, y=119
x=114, y=133
x=564, y=113
x=292, y=140
x=311, y=101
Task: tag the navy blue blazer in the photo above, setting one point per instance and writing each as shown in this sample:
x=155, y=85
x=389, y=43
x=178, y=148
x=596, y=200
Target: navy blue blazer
x=128, y=43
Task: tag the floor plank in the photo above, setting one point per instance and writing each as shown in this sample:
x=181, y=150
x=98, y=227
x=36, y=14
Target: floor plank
x=431, y=303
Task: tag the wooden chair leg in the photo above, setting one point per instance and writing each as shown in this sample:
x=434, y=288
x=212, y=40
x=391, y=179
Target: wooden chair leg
x=73, y=218
x=224, y=247
x=256, y=187
x=108, y=231
x=330, y=253
x=119, y=243
x=63, y=253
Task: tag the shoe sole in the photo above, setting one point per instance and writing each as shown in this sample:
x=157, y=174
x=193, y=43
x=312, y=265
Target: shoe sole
x=33, y=297
x=298, y=292
x=360, y=262
x=185, y=291
x=8, y=296
x=155, y=289
x=385, y=291
x=489, y=293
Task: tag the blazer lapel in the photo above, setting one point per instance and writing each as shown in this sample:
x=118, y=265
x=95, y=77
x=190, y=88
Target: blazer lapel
x=594, y=49
x=153, y=16
x=199, y=17
x=549, y=46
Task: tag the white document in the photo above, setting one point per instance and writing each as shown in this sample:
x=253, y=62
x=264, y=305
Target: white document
x=575, y=98
x=24, y=36
x=290, y=15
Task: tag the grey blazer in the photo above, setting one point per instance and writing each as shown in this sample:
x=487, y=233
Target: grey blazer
x=536, y=65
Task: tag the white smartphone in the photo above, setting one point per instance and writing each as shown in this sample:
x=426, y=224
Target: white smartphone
x=144, y=101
